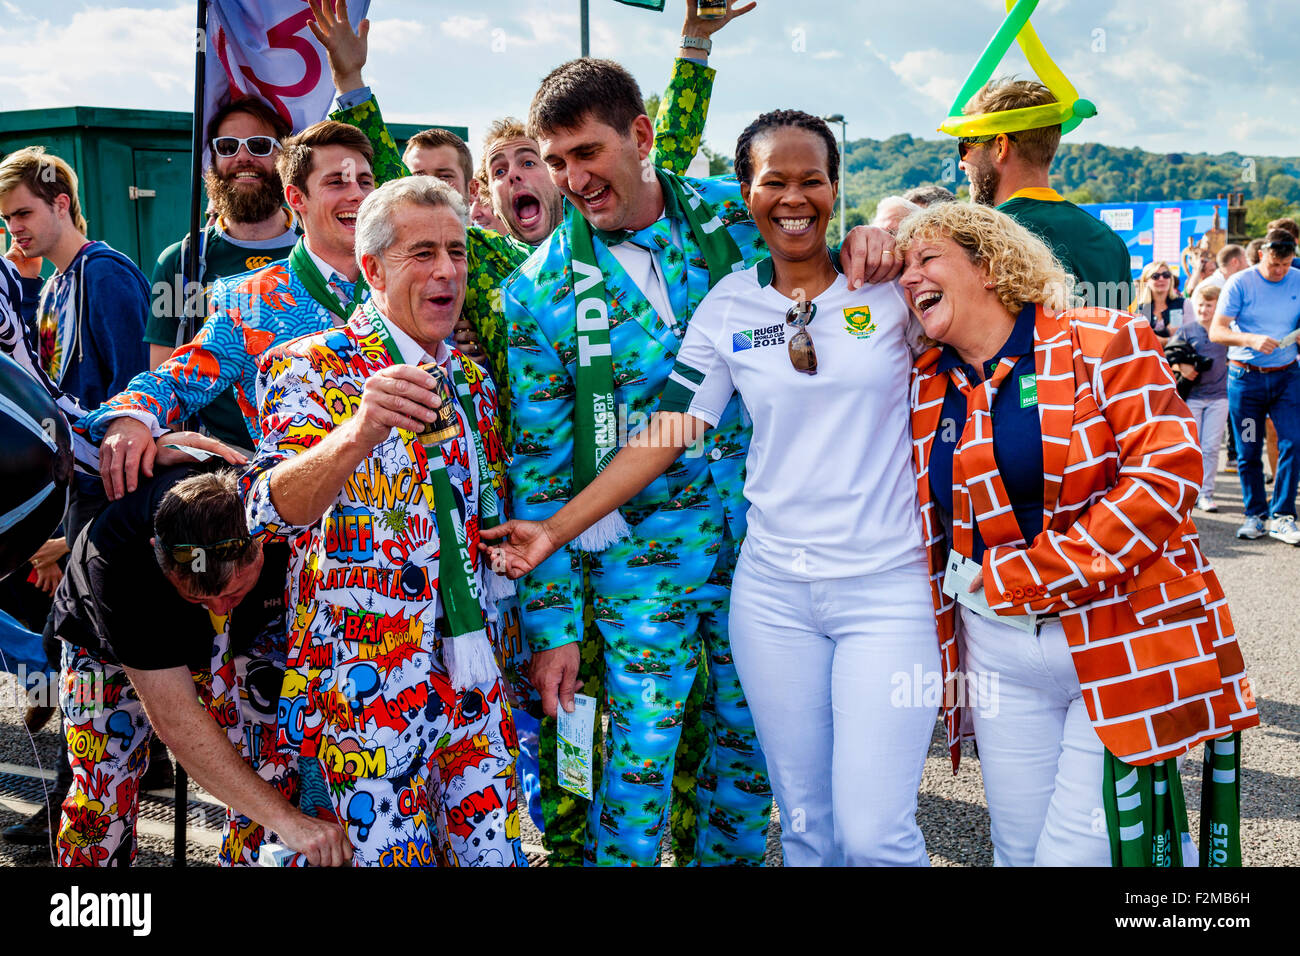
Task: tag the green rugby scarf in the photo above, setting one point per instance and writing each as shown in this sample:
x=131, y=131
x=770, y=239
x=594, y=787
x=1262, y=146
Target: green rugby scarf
x=1147, y=819
x=466, y=650
x=595, y=413
x=304, y=268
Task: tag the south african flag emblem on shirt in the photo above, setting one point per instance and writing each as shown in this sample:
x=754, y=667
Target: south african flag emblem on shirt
x=858, y=322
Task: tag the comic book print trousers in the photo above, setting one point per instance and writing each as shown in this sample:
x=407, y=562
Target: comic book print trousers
x=661, y=608
x=107, y=732
x=441, y=791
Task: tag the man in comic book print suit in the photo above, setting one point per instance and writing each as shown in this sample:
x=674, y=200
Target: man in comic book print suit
x=400, y=713
x=135, y=636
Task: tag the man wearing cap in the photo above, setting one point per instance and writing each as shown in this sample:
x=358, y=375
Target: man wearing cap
x=1258, y=312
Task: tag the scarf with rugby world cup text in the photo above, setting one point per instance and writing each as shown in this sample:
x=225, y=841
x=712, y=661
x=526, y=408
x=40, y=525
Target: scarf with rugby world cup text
x=595, y=415
x=466, y=650
x=1146, y=816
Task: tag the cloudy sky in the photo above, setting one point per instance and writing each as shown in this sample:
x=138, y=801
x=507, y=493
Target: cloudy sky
x=1164, y=81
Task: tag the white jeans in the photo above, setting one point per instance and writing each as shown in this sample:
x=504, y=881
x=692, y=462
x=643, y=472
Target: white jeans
x=1042, y=761
x=1211, y=417
x=827, y=668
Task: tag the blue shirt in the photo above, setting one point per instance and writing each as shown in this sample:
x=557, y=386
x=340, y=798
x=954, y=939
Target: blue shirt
x=1017, y=432
x=1259, y=306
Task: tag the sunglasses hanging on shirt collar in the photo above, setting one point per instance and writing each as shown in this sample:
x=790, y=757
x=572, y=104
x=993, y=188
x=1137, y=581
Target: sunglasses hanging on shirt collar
x=802, y=354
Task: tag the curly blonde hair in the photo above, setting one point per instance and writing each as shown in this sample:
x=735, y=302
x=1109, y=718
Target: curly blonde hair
x=1022, y=268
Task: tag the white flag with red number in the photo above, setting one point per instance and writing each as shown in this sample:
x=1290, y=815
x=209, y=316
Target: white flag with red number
x=265, y=48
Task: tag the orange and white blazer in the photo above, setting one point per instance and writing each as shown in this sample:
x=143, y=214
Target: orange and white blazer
x=1118, y=558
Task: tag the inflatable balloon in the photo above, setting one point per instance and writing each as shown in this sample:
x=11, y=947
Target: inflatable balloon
x=1069, y=110
x=35, y=465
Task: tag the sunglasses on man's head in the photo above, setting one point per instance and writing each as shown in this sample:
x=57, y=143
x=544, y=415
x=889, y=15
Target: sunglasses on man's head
x=227, y=146
x=1281, y=249
x=225, y=550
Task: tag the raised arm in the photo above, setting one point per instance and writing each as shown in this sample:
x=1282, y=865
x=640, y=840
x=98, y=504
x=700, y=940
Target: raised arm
x=697, y=393
x=645, y=457
x=348, y=50
x=160, y=400
x=679, y=125
x=303, y=460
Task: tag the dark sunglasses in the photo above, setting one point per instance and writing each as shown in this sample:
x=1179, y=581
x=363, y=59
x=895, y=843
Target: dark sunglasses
x=1281, y=249
x=1161, y=275
x=228, y=146
x=802, y=354
x=226, y=550
x=964, y=143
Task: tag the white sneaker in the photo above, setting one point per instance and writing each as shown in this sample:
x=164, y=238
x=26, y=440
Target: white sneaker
x=1252, y=527
x=1283, y=527
x=1206, y=503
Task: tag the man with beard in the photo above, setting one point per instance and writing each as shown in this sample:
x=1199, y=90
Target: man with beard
x=325, y=170
x=1009, y=171
x=252, y=229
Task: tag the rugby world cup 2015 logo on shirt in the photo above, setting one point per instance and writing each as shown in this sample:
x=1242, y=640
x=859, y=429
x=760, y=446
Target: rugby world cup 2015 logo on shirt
x=758, y=338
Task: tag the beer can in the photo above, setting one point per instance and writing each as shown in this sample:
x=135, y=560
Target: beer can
x=712, y=9
x=447, y=425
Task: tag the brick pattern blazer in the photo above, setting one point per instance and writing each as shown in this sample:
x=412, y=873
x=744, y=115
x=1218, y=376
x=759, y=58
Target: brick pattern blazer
x=1118, y=558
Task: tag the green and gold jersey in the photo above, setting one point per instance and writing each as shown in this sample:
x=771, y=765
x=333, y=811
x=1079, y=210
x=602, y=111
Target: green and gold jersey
x=1089, y=249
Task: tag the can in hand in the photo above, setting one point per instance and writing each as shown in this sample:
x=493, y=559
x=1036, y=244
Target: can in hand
x=712, y=9
x=447, y=425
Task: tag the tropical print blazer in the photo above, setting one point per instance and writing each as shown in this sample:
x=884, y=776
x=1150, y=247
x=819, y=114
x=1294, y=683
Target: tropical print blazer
x=541, y=311
x=1118, y=558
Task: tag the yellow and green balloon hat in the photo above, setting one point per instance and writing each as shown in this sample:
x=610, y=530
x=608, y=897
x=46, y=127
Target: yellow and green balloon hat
x=1069, y=110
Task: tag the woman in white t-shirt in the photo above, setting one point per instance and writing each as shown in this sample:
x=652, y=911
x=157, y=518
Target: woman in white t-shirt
x=831, y=623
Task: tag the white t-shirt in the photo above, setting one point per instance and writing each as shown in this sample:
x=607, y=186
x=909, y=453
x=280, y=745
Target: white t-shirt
x=829, y=477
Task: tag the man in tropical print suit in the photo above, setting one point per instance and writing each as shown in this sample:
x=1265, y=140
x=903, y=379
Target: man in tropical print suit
x=660, y=592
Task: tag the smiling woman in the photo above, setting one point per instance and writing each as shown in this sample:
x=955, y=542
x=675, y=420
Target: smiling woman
x=1056, y=468
x=830, y=598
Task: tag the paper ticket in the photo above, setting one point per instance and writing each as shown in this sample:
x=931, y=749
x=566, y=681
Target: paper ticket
x=573, y=739
x=958, y=575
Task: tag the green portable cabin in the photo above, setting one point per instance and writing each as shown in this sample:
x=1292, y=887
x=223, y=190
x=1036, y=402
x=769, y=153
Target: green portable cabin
x=133, y=166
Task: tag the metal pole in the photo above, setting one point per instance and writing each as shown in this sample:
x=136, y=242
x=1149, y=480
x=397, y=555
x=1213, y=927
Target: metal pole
x=844, y=172
x=844, y=155
x=181, y=814
x=586, y=29
x=193, y=304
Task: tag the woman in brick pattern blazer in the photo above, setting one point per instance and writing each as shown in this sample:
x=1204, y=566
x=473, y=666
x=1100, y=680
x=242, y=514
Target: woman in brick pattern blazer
x=1133, y=647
